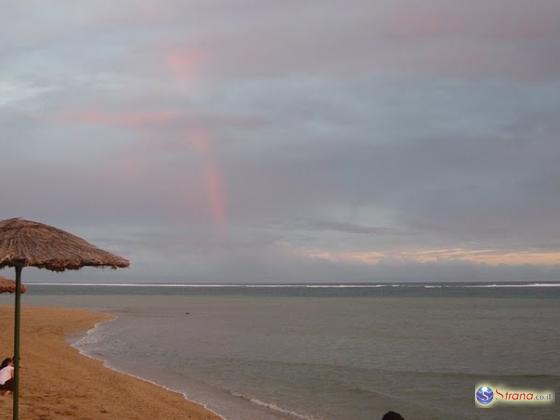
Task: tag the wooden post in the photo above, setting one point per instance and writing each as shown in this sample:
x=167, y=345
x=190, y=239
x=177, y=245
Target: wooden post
x=17, y=323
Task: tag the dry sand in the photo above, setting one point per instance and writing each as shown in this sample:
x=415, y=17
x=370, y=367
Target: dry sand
x=59, y=383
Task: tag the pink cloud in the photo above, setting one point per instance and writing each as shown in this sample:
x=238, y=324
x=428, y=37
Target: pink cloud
x=119, y=118
x=182, y=62
x=496, y=20
x=156, y=119
x=493, y=257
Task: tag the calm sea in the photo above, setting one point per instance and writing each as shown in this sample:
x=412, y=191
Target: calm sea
x=325, y=352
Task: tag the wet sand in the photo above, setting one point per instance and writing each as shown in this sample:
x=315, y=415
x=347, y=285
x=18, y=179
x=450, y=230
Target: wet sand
x=57, y=382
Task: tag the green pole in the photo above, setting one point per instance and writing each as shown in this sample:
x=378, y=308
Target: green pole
x=16, y=343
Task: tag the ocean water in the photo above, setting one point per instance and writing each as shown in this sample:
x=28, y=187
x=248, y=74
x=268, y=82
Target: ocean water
x=326, y=352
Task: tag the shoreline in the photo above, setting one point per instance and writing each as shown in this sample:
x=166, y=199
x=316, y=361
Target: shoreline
x=58, y=381
x=107, y=365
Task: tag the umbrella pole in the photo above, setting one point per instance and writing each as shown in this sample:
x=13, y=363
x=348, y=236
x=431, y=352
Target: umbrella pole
x=16, y=343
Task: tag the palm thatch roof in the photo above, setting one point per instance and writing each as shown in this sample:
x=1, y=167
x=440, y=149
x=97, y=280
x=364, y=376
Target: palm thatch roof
x=9, y=286
x=27, y=243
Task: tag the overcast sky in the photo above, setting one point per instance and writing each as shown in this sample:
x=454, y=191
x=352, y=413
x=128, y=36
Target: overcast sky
x=288, y=141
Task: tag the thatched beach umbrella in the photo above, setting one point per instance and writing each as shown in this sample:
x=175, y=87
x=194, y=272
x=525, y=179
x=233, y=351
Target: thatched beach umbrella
x=24, y=243
x=9, y=286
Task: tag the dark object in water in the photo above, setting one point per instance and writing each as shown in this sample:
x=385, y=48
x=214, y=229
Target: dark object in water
x=187, y=313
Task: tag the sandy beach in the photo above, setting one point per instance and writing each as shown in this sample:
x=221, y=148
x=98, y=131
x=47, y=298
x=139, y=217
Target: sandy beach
x=57, y=382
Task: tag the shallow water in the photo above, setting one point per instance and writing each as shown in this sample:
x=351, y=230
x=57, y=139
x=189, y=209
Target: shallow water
x=332, y=353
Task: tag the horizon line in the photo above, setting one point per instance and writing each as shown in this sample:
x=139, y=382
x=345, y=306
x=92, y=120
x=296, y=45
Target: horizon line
x=310, y=285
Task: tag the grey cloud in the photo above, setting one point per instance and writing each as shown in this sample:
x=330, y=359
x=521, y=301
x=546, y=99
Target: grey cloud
x=343, y=227
x=342, y=129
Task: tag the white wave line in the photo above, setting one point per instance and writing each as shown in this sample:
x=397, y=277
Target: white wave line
x=256, y=286
x=513, y=285
x=307, y=286
x=107, y=365
x=272, y=407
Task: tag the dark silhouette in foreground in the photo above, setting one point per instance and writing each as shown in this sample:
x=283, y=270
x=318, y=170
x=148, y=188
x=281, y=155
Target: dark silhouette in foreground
x=391, y=415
